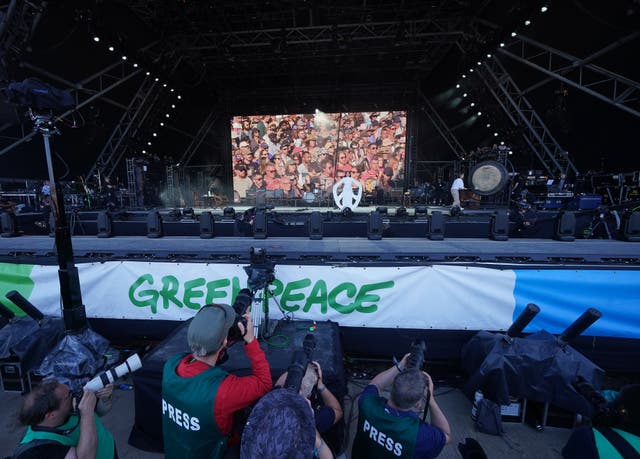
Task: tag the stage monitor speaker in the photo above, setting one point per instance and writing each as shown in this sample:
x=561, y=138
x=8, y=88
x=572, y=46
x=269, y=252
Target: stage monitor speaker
x=154, y=225
x=499, y=226
x=436, y=226
x=207, y=225
x=287, y=337
x=260, y=225
x=565, y=227
x=104, y=222
x=8, y=225
x=374, y=226
x=316, y=225
x=632, y=227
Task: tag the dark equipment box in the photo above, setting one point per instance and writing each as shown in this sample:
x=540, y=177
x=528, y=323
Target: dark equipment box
x=586, y=202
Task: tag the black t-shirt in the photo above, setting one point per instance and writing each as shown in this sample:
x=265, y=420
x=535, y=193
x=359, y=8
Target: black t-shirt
x=46, y=451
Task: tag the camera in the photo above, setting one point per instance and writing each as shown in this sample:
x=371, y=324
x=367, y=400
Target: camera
x=300, y=360
x=260, y=271
x=244, y=298
x=604, y=414
x=107, y=377
x=416, y=355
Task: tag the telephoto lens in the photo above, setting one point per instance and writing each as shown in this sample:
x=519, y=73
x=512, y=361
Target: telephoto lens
x=107, y=377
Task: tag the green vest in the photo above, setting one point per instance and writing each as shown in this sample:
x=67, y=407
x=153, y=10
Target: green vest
x=106, y=445
x=607, y=451
x=188, y=425
x=382, y=433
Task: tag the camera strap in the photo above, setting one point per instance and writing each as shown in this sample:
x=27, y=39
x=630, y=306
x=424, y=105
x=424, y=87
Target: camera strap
x=624, y=448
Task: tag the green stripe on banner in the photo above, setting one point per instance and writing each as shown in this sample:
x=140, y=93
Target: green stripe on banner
x=15, y=277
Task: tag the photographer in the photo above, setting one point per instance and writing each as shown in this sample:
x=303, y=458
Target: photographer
x=388, y=428
x=199, y=399
x=329, y=412
x=622, y=440
x=60, y=427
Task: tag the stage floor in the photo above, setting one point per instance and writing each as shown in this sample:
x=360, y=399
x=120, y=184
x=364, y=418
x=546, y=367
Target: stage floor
x=328, y=250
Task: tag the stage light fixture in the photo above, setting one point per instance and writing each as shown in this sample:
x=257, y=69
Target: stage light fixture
x=464, y=95
x=124, y=58
x=157, y=79
x=148, y=73
x=167, y=115
x=495, y=134
x=488, y=125
x=161, y=123
x=96, y=39
x=171, y=90
x=489, y=56
x=173, y=106
x=502, y=142
x=544, y=9
x=149, y=143
x=471, y=70
x=164, y=85
x=479, y=113
x=155, y=135
x=479, y=63
x=144, y=151
x=464, y=76
x=501, y=45
x=473, y=104
x=135, y=64
x=510, y=152
x=111, y=48
x=179, y=97
x=527, y=22
x=457, y=86
x=513, y=34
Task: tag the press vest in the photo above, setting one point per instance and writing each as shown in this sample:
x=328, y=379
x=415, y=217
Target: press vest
x=106, y=445
x=188, y=425
x=383, y=434
x=607, y=451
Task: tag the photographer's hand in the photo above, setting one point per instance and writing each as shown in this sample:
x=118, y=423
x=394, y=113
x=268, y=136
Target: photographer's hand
x=247, y=333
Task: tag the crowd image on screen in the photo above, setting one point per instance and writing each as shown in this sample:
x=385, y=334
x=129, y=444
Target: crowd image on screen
x=288, y=156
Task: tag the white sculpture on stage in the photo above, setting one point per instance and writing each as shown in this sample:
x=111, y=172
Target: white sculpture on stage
x=347, y=193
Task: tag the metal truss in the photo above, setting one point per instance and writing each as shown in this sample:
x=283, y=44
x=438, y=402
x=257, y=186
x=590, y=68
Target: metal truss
x=95, y=86
x=20, y=21
x=579, y=73
x=198, y=139
x=521, y=113
x=442, y=127
x=135, y=114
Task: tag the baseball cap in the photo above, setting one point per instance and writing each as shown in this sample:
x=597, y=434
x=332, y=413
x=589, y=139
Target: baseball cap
x=281, y=425
x=244, y=144
x=210, y=326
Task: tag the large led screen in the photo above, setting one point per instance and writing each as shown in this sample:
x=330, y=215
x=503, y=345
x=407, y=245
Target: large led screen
x=291, y=156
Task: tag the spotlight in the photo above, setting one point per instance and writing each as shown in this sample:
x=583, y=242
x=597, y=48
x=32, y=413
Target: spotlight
x=124, y=58
x=479, y=63
x=157, y=79
x=527, y=22
x=513, y=34
x=473, y=104
x=161, y=123
x=164, y=85
x=96, y=39
x=171, y=90
x=167, y=115
x=544, y=9
x=502, y=142
x=464, y=95
x=501, y=45
x=179, y=97
x=488, y=125
x=144, y=151
x=173, y=106
x=471, y=70
x=149, y=143
x=479, y=113
x=510, y=152
x=464, y=76
x=495, y=134
x=148, y=73
x=111, y=48
x=489, y=56
x=135, y=65
x=155, y=135
x=457, y=86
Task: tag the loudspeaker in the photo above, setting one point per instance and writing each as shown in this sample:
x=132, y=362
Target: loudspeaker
x=8, y=225
x=436, y=226
x=207, y=225
x=631, y=231
x=154, y=225
x=260, y=225
x=104, y=223
x=374, y=226
x=499, y=230
x=316, y=225
x=565, y=227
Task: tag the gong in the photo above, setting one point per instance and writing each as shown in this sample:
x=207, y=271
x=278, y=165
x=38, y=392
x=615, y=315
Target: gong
x=488, y=177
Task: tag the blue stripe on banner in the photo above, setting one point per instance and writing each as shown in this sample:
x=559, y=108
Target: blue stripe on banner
x=563, y=295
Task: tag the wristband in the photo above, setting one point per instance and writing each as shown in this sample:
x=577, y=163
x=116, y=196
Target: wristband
x=316, y=451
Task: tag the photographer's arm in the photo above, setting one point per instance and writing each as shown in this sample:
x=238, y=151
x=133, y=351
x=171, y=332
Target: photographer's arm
x=104, y=396
x=438, y=419
x=328, y=398
x=88, y=441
